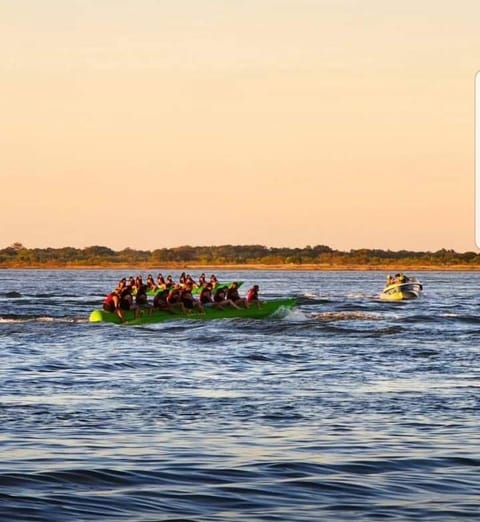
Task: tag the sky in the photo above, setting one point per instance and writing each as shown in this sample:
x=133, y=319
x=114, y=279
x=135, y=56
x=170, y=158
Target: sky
x=158, y=123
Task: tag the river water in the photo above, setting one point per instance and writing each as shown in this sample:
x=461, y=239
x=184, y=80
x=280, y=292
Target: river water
x=346, y=408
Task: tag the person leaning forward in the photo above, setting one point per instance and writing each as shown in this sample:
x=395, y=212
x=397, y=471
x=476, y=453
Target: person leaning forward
x=234, y=296
x=111, y=304
x=220, y=299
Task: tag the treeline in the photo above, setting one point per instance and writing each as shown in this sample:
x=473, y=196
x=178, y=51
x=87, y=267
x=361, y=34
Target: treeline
x=19, y=256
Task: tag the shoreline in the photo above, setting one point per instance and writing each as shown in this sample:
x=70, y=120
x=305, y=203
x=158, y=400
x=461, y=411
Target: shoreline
x=253, y=267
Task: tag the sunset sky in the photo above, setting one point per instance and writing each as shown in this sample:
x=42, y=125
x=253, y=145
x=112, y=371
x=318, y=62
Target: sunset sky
x=159, y=123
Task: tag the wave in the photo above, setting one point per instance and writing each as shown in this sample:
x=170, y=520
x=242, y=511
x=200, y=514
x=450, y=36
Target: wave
x=11, y=295
x=474, y=319
x=207, y=488
x=311, y=299
x=358, y=295
x=7, y=319
x=346, y=316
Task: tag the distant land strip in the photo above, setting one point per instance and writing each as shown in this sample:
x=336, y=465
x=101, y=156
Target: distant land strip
x=231, y=257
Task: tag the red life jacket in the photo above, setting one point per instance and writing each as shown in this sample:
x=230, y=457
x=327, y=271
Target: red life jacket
x=108, y=303
x=173, y=296
x=109, y=299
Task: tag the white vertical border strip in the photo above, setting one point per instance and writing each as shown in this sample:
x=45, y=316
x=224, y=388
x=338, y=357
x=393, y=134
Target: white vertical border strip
x=476, y=159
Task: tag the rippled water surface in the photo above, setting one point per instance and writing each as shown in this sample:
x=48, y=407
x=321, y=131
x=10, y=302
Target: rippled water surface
x=346, y=408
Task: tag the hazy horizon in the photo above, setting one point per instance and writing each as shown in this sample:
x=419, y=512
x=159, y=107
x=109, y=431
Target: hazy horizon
x=275, y=122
